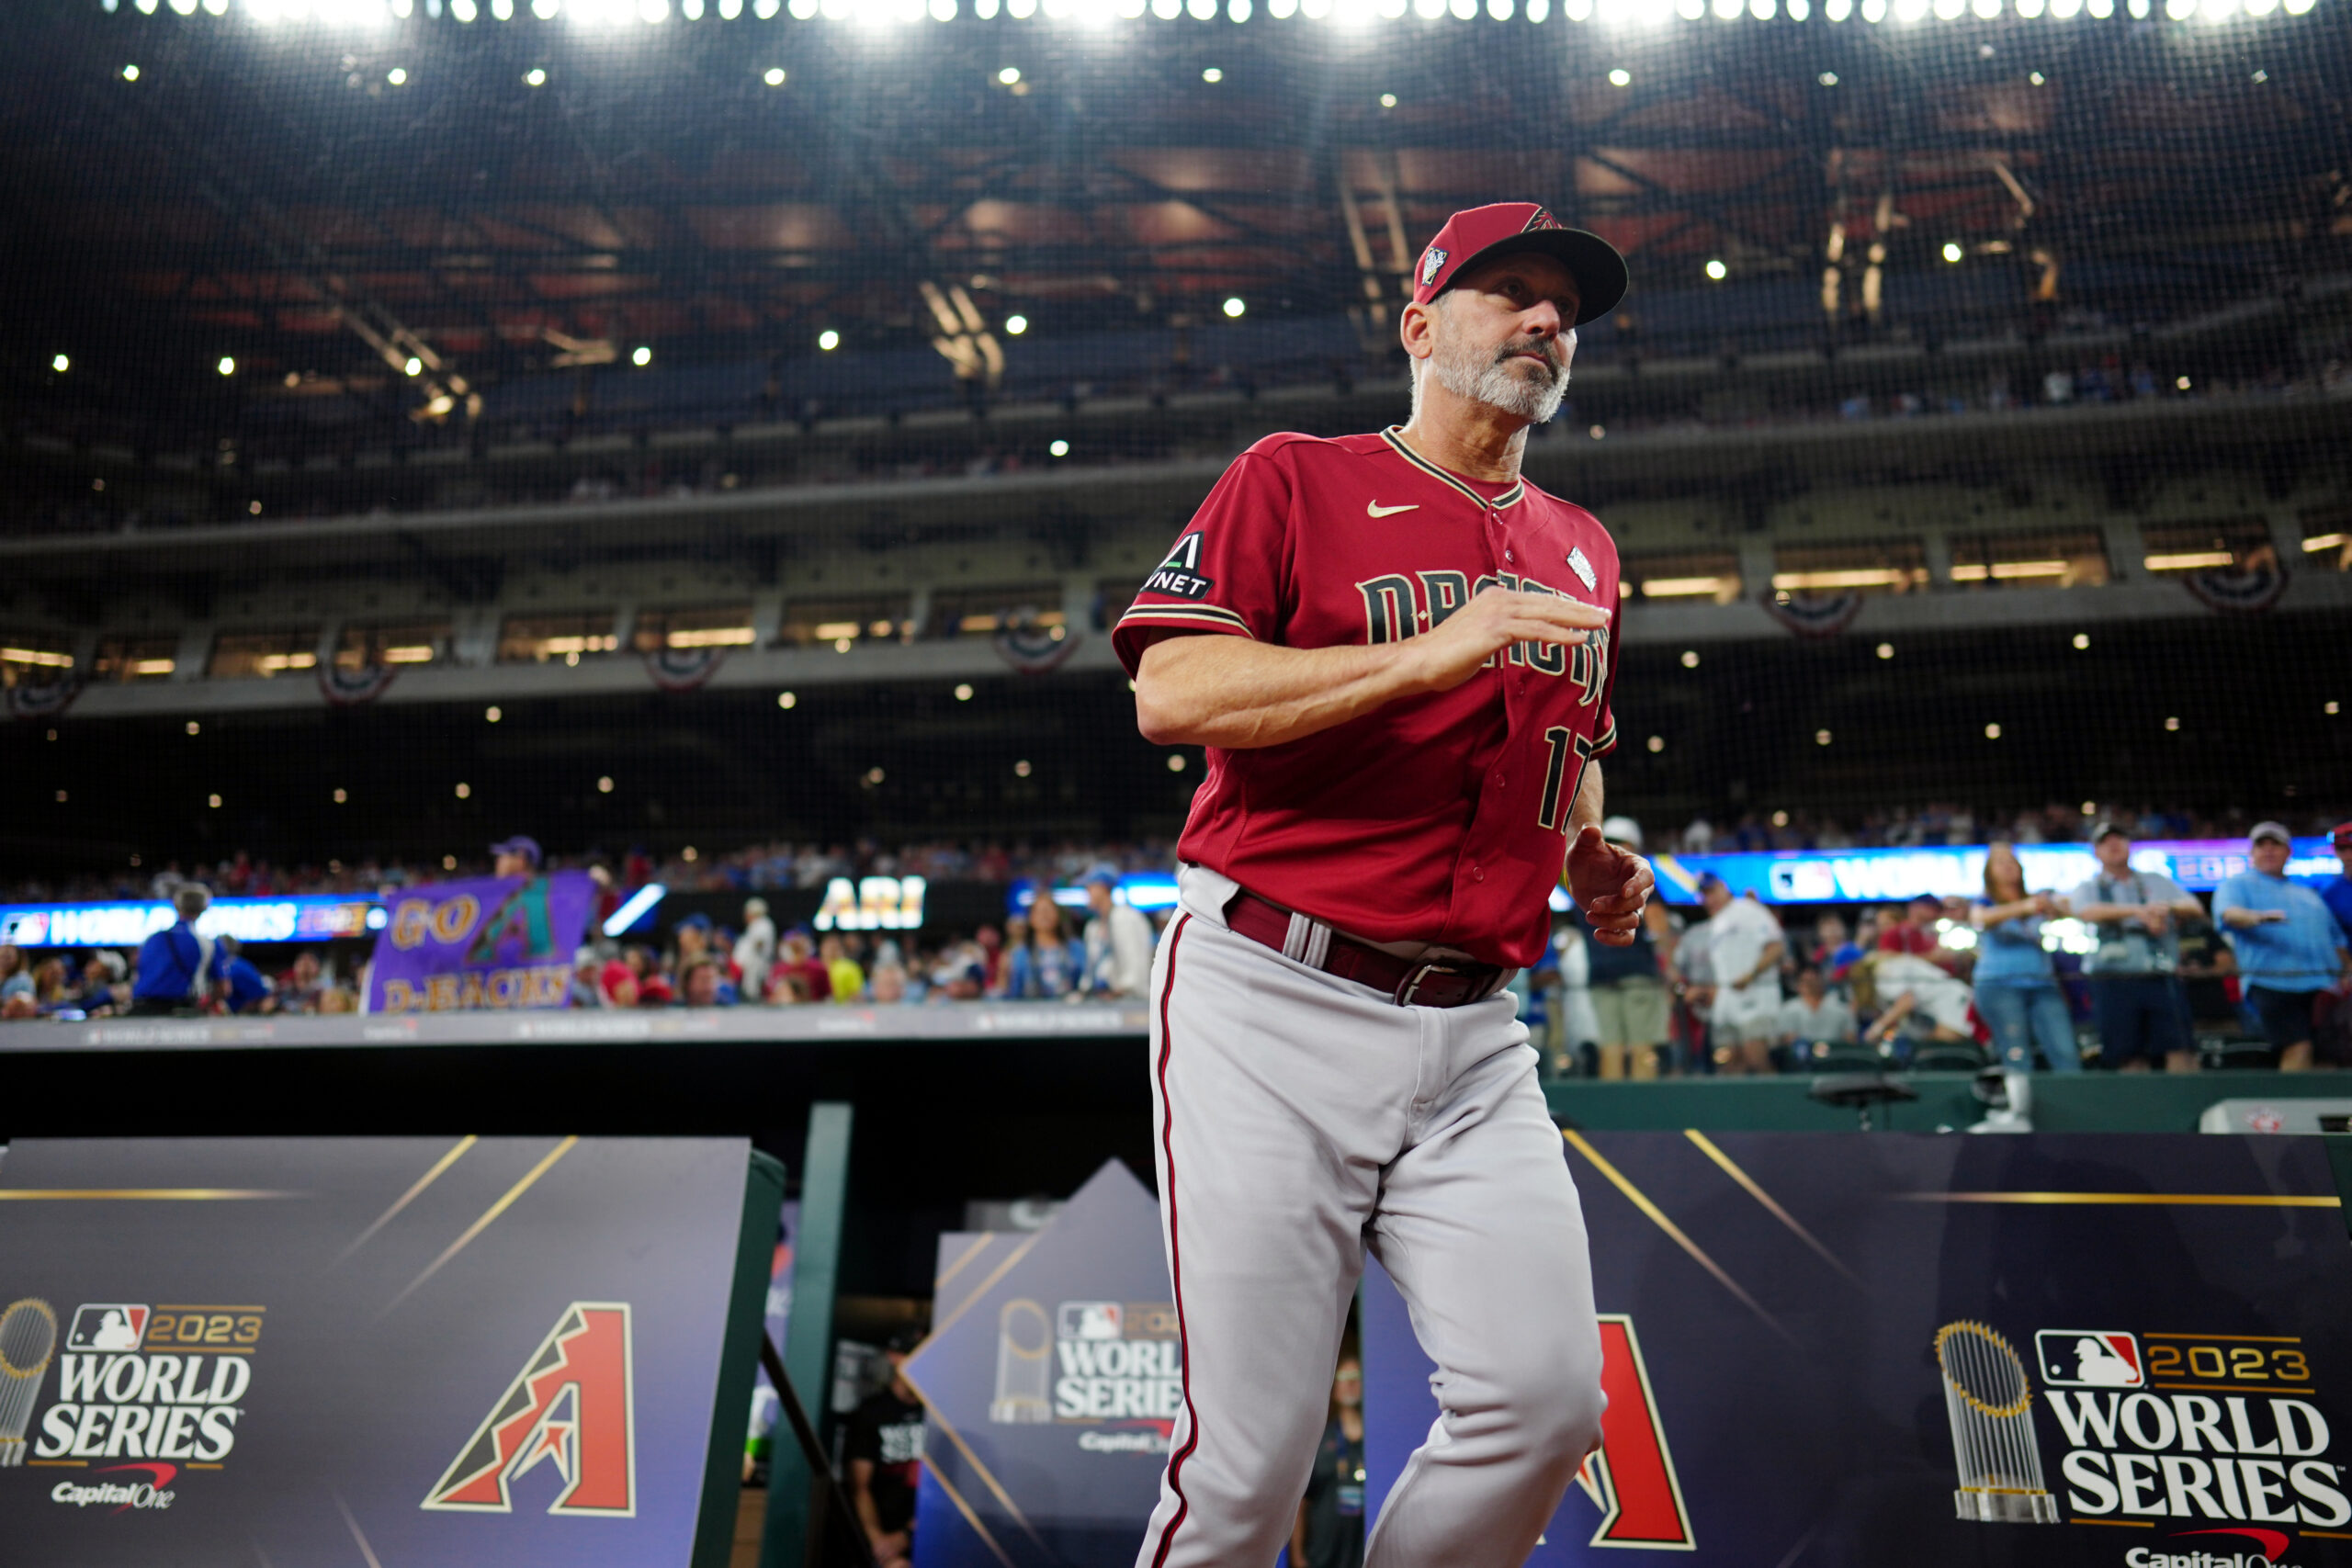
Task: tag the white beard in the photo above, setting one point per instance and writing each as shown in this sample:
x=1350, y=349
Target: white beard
x=1498, y=383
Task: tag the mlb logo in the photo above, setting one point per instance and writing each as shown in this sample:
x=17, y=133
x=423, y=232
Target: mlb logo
x=1089, y=1320
x=2090, y=1357
x=108, y=1325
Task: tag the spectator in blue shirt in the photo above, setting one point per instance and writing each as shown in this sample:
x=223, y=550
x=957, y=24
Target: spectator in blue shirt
x=2336, y=893
x=247, y=988
x=2016, y=989
x=178, y=968
x=2289, y=948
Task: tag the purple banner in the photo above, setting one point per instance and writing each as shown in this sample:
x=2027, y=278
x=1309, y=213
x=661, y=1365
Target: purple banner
x=494, y=942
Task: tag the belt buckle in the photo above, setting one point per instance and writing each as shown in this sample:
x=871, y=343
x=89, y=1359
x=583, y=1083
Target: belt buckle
x=1420, y=975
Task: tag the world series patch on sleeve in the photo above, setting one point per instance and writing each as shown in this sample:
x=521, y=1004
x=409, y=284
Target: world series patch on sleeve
x=2125, y=1351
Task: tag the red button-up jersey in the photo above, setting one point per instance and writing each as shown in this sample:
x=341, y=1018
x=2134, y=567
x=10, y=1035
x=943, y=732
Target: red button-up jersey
x=1438, y=818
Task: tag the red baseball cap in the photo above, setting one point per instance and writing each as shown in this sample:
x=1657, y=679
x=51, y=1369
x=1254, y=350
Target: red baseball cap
x=1513, y=228
x=2342, y=834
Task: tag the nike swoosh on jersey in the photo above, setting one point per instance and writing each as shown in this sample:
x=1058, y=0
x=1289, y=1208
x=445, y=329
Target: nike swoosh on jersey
x=1373, y=509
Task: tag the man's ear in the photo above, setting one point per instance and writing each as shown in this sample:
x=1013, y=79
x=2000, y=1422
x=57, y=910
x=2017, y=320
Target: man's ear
x=1417, y=329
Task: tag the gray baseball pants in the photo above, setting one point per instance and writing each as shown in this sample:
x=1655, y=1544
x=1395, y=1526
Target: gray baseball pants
x=1300, y=1119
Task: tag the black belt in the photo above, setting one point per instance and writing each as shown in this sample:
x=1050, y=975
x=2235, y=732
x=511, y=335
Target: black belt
x=1409, y=982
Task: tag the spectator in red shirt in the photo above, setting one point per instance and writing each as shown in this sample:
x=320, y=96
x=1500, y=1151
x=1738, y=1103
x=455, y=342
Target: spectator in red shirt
x=1915, y=933
x=797, y=958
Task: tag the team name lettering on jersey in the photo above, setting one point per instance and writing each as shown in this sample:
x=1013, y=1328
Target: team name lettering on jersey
x=1398, y=606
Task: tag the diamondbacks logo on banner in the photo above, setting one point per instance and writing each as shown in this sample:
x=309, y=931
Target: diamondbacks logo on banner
x=1630, y=1478
x=574, y=1407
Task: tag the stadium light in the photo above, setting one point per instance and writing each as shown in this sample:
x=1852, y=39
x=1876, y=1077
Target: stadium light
x=787, y=700
x=340, y=796
x=130, y=73
x=1689, y=658
x=1059, y=448
x=414, y=367
x=1621, y=77
x=963, y=692
x=492, y=713
x=1388, y=100
x=227, y=366
x=1829, y=78
x=1992, y=732
x=2082, y=641
x=1015, y=325
x=535, y=77
x=640, y=905
x=828, y=340
x=60, y=364
x=1235, y=307
x=1716, y=270
x=465, y=791
x=604, y=785
x=397, y=76
x=640, y=357
x=1212, y=76
x=1952, y=253
x=1887, y=651
x=1008, y=76
x=773, y=76
x=1657, y=743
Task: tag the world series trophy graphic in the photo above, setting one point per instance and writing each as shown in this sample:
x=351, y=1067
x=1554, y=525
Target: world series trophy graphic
x=1024, y=1364
x=1990, y=1402
x=27, y=1335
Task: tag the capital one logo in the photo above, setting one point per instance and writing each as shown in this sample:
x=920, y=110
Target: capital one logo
x=574, y=1407
x=1630, y=1479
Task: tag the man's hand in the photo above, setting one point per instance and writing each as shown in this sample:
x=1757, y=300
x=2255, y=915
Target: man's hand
x=1460, y=646
x=1609, y=884
x=2155, y=917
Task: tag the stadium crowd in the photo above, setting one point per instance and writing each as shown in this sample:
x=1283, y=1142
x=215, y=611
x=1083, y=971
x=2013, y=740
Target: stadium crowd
x=783, y=863
x=2126, y=969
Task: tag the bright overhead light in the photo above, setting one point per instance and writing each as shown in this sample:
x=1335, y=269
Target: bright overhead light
x=828, y=340
x=1212, y=74
x=773, y=76
x=1059, y=448
x=130, y=73
x=414, y=365
x=1689, y=658
x=1716, y=270
x=1388, y=100
x=1992, y=732
x=60, y=364
x=1952, y=253
x=640, y=355
x=604, y=785
x=396, y=77
x=2082, y=640
x=227, y=366
x=2036, y=77
x=1621, y=77
x=1009, y=75
x=1827, y=78
x=787, y=699
x=535, y=77
x=963, y=692
x=1887, y=651
x=1234, y=307
x=1015, y=325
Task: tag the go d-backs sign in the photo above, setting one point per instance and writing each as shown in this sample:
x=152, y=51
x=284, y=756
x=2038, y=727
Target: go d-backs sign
x=1942, y=1352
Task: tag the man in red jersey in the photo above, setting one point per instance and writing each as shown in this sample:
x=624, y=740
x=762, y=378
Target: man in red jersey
x=1400, y=656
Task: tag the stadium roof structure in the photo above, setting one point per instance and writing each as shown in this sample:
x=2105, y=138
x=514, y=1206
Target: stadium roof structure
x=222, y=225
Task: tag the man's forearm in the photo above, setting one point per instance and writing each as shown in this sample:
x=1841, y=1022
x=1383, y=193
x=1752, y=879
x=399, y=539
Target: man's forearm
x=1587, y=809
x=1235, y=692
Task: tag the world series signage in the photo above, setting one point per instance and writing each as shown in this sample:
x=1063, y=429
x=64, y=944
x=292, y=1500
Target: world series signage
x=1847, y=1352
x=452, y=1350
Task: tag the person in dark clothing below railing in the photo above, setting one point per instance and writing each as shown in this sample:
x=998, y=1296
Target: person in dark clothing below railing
x=179, y=969
x=1628, y=983
x=1330, y=1531
x=884, y=1457
x=2135, y=973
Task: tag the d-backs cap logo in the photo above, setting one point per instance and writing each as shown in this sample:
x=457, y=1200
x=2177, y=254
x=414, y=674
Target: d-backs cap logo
x=574, y=1403
x=108, y=1325
x=2090, y=1357
x=1631, y=1476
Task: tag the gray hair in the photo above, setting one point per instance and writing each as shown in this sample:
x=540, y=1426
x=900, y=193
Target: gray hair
x=192, y=899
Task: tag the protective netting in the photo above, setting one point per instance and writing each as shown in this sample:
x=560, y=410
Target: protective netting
x=715, y=439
